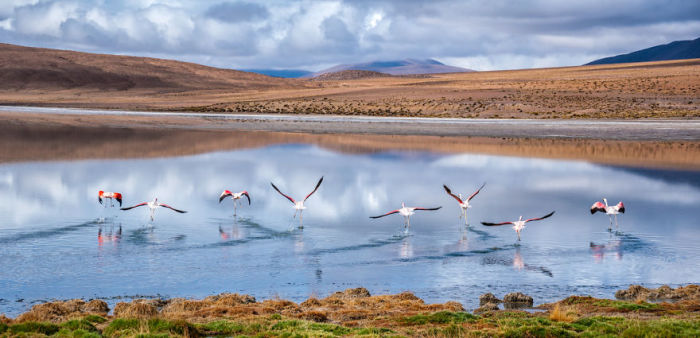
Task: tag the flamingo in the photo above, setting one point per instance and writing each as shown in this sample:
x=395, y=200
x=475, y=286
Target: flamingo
x=111, y=195
x=299, y=205
x=608, y=210
x=463, y=203
x=406, y=212
x=235, y=197
x=519, y=225
x=153, y=205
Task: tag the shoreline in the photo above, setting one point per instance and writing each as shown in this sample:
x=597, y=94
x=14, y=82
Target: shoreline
x=357, y=312
x=108, y=136
x=625, y=130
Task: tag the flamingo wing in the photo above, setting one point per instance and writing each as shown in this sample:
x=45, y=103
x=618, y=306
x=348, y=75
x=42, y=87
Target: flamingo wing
x=449, y=192
x=118, y=197
x=540, y=218
x=476, y=192
x=134, y=206
x=620, y=207
x=495, y=224
x=245, y=193
x=437, y=208
x=317, y=185
x=224, y=194
x=171, y=208
x=387, y=214
x=597, y=206
x=289, y=198
x=99, y=199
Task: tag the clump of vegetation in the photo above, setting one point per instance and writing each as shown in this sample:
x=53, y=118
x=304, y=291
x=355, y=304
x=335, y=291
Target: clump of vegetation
x=354, y=312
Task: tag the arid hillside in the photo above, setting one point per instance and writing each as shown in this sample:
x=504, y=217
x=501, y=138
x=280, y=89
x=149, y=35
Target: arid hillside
x=666, y=89
x=26, y=68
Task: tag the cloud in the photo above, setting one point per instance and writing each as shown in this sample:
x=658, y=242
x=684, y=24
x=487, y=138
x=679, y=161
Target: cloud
x=237, y=12
x=482, y=35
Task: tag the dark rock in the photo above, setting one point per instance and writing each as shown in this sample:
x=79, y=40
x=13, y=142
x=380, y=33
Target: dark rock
x=488, y=298
x=518, y=298
x=633, y=292
x=487, y=308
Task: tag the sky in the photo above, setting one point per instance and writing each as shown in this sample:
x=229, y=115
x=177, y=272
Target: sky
x=313, y=35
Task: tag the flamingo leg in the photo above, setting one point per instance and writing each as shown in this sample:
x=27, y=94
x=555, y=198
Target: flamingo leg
x=301, y=217
x=518, y=235
x=152, y=212
x=611, y=222
x=616, y=225
x=466, y=222
x=235, y=208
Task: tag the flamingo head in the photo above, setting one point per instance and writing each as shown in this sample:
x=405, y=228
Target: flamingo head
x=606, y=201
x=403, y=205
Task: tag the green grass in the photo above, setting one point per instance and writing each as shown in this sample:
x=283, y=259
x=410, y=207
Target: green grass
x=442, y=317
x=79, y=324
x=438, y=324
x=34, y=327
x=122, y=327
x=95, y=319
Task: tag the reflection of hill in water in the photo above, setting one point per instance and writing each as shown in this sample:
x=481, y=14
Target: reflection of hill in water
x=138, y=137
x=688, y=177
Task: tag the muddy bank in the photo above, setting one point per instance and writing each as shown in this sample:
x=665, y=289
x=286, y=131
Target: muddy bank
x=41, y=137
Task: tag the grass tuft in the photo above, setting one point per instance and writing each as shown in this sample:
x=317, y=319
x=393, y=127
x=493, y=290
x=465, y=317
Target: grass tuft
x=561, y=315
x=34, y=327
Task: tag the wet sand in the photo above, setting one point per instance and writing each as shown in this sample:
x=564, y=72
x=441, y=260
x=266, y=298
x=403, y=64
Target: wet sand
x=37, y=134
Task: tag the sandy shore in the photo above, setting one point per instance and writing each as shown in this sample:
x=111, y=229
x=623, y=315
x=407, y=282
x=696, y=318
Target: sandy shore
x=37, y=136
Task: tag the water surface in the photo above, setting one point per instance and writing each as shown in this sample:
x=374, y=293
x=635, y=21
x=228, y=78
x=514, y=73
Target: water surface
x=57, y=242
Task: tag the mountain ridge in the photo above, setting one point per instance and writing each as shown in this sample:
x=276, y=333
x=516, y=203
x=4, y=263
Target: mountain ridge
x=676, y=50
x=398, y=67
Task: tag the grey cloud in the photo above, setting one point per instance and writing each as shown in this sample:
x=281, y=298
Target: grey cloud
x=237, y=12
x=284, y=34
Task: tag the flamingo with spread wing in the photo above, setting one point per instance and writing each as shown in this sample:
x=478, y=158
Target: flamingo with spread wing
x=463, y=203
x=299, y=205
x=152, y=205
x=406, y=212
x=519, y=225
x=236, y=197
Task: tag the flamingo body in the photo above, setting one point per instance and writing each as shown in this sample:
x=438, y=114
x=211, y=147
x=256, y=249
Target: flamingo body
x=610, y=210
x=463, y=202
x=109, y=195
x=153, y=205
x=519, y=225
x=298, y=205
x=406, y=212
x=236, y=197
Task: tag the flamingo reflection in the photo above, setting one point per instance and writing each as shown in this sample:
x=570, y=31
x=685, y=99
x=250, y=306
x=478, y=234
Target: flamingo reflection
x=110, y=236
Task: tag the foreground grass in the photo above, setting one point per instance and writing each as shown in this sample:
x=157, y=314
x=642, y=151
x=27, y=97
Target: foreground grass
x=439, y=324
x=354, y=312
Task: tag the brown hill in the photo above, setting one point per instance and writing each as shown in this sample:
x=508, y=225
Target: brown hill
x=27, y=68
x=350, y=75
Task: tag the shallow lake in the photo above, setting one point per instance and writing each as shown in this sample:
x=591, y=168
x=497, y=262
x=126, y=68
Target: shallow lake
x=58, y=242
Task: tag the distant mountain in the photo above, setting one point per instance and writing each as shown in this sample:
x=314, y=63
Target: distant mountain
x=285, y=73
x=677, y=50
x=399, y=67
x=350, y=75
